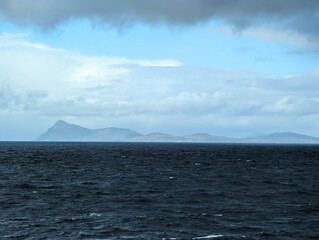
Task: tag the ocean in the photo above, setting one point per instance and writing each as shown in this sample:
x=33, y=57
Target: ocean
x=158, y=191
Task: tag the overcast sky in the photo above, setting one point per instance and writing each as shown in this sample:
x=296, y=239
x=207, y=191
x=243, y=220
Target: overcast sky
x=225, y=67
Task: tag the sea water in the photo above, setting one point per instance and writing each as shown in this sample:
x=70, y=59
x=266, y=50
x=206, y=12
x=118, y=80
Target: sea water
x=158, y=191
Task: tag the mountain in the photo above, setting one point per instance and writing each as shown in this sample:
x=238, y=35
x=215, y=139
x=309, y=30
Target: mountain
x=159, y=137
x=205, y=137
x=281, y=137
x=63, y=131
x=114, y=134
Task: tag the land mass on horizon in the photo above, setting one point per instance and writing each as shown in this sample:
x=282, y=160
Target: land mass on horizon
x=64, y=131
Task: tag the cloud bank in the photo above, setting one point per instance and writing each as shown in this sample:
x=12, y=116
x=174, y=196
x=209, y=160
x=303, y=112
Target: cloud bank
x=39, y=82
x=292, y=15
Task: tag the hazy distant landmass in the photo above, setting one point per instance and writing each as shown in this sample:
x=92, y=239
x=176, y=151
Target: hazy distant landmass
x=63, y=131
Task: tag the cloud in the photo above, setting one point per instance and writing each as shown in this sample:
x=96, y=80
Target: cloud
x=148, y=94
x=10, y=36
x=292, y=15
x=19, y=101
x=69, y=84
x=289, y=37
x=304, y=83
x=272, y=34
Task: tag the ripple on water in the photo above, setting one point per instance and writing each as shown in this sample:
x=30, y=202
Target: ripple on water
x=158, y=191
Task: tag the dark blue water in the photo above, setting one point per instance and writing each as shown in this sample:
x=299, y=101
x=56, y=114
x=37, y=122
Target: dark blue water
x=158, y=191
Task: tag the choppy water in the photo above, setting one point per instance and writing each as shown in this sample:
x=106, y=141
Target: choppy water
x=158, y=191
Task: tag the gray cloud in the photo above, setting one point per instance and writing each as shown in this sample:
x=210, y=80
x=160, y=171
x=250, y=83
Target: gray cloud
x=296, y=15
x=13, y=100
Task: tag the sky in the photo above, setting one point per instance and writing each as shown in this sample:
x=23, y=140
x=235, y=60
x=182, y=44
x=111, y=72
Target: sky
x=235, y=68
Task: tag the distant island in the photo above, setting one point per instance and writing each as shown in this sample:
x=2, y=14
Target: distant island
x=63, y=131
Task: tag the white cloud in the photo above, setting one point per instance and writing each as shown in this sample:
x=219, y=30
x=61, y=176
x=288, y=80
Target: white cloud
x=150, y=95
x=11, y=36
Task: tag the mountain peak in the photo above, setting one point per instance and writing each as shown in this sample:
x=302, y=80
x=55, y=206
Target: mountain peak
x=61, y=123
x=63, y=131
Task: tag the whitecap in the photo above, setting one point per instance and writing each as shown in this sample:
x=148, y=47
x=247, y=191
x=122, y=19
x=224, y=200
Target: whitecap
x=95, y=214
x=208, y=237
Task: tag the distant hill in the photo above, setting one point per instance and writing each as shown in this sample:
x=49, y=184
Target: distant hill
x=159, y=137
x=63, y=131
x=281, y=137
x=205, y=137
x=114, y=135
